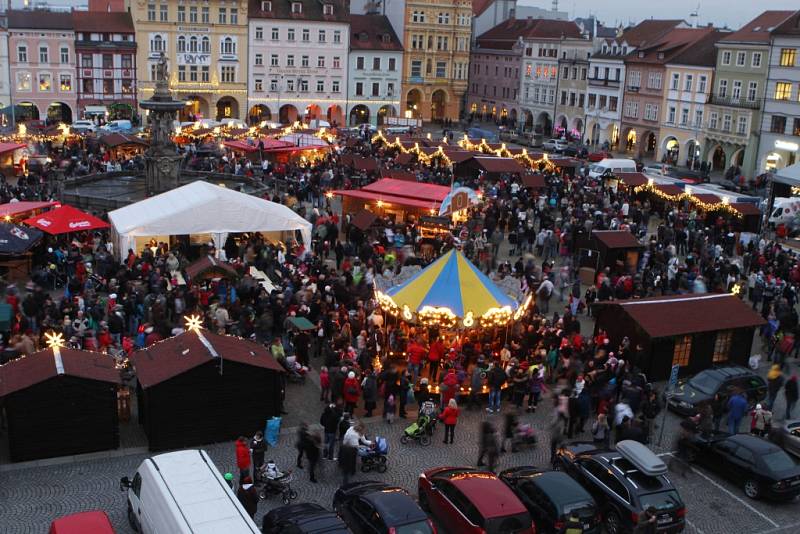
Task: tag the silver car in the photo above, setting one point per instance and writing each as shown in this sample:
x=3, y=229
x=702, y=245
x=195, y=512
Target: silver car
x=788, y=436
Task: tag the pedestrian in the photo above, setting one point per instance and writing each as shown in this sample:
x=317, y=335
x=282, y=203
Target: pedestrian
x=351, y=392
x=520, y=386
x=790, y=392
x=302, y=443
x=717, y=410
x=248, y=496
x=646, y=522
x=435, y=355
x=510, y=424
x=369, y=391
x=496, y=378
x=258, y=446
x=475, y=386
x=535, y=384
x=487, y=445
x=706, y=419
x=574, y=413
x=324, y=385
x=312, y=453
x=353, y=438
x=330, y=423
x=243, y=457
x=601, y=431
x=761, y=421
x=737, y=407
x=775, y=382
x=449, y=417
x=449, y=386
x=650, y=410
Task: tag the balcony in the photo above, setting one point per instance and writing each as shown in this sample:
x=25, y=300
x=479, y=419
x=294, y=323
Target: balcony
x=734, y=102
x=603, y=82
x=632, y=88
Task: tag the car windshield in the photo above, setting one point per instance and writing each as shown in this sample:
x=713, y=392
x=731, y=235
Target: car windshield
x=661, y=501
x=420, y=527
x=705, y=382
x=579, y=509
x=596, y=168
x=778, y=461
x=509, y=524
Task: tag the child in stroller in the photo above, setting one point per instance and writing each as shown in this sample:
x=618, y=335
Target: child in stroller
x=272, y=481
x=295, y=372
x=374, y=456
x=422, y=429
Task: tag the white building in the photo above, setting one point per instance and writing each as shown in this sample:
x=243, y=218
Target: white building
x=606, y=83
x=298, y=60
x=780, y=124
x=375, y=70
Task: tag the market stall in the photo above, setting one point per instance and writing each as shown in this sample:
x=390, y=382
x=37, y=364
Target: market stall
x=222, y=212
x=15, y=243
x=490, y=167
x=123, y=146
x=394, y=198
x=619, y=250
x=18, y=211
x=64, y=220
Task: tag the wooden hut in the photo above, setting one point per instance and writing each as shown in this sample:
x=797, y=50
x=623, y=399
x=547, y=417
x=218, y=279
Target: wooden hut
x=199, y=387
x=692, y=331
x=60, y=403
x=122, y=145
x=491, y=166
x=619, y=250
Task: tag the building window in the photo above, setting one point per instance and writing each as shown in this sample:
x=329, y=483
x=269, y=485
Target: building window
x=671, y=115
x=163, y=13
x=444, y=18
x=205, y=74
x=44, y=55
x=126, y=86
x=266, y=6
x=228, y=46
x=359, y=89
x=726, y=57
x=335, y=86
x=752, y=91
x=45, y=82
x=327, y=9
x=321, y=36
x=337, y=37
x=441, y=69
x=88, y=86
x=181, y=73
x=698, y=118
x=320, y=86
x=223, y=15
x=701, y=84
x=722, y=92
x=687, y=82
x=108, y=61
x=259, y=60
x=153, y=67
x=684, y=116
x=273, y=85
x=234, y=15
x=416, y=68
x=304, y=62
x=193, y=44
x=726, y=123
x=157, y=44
x=22, y=54
x=376, y=63
x=788, y=57
x=86, y=61
x=181, y=13
x=741, y=126
x=418, y=16
x=722, y=346
x=756, y=61
x=740, y=59
x=290, y=85
x=193, y=73
x=337, y=62
x=320, y=62
x=390, y=91
x=259, y=33
x=228, y=74
x=205, y=45
x=392, y=64
x=376, y=89
x=682, y=351
x=127, y=61
x=258, y=84
x=151, y=12
x=290, y=60
x=273, y=60
x=64, y=55
x=23, y=81
x=306, y=35
x=612, y=103
x=290, y=34
x=275, y=34
x=783, y=91
x=205, y=15
x=736, y=93
x=675, y=82
x=777, y=124
x=193, y=14
x=360, y=63
x=796, y=127
x=303, y=86
x=297, y=7
x=712, y=121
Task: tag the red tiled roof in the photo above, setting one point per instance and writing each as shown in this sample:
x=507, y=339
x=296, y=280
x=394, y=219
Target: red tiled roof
x=102, y=21
x=40, y=366
x=179, y=354
x=617, y=239
x=759, y=29
x=39, y=19
x=670, y=45
x=790, y=26
x=505, y=34
x=479, y=6
x=687, y=314
x=702, y=52
x=373, y=32
x=647, y=30
x=312, y=10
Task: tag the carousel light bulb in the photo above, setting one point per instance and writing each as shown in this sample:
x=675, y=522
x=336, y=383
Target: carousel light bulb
x=193, y=323
x=54, y=340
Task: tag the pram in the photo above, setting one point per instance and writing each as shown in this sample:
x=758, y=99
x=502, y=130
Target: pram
x=523, y=436
x=295, y=373
x=422, y=429
x=271, y=481
x=374, y=457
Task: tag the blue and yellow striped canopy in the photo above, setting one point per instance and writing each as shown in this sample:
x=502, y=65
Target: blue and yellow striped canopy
x=451, y=282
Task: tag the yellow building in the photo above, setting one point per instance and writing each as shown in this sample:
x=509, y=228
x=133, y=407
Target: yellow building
x=436, y=66
x=205, y=42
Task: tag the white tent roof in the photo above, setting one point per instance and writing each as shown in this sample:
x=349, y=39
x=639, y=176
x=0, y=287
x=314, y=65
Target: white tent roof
x=788, y=175
x=204, y=208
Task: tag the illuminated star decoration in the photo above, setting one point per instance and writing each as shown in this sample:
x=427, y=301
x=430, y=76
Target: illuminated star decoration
x=54, y=340
x=736, y=289
x=193, y=323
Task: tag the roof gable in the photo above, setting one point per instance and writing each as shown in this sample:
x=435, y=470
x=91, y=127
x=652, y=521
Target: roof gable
x=310, y=10
x=39, y=19
x=759, y=29
x=373, y=32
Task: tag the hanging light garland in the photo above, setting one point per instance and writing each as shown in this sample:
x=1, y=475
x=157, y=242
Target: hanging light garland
x=723, y=205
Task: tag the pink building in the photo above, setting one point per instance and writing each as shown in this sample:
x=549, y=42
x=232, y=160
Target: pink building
x=41, y=50
x=495, y=62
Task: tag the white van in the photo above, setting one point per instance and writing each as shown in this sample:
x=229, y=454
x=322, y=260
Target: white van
x=182, y=492
x=613, y=165
x=117, y=126
x=784, y=211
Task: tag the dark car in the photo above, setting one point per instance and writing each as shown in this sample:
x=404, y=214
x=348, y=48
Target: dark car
x=599, y=155
x=303, y=518
x=465, y=500
x=372, y=507
x=702, y=387
x=624, y=483
x=762, y=468
x=556, y=502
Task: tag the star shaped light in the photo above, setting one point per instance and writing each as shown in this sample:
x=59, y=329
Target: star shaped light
x=54, y=340
x=193, y=323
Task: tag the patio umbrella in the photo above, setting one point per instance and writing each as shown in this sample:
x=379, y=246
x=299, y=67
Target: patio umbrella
x=16, y=239
x=64, y=220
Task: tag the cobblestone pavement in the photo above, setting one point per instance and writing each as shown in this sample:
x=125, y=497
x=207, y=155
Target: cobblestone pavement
x=31, y=496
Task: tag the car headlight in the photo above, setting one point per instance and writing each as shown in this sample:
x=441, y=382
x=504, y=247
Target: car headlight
x=684, y=404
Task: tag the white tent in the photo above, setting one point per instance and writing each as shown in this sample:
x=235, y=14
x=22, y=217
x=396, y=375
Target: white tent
x=788, y=175
x=201, y=208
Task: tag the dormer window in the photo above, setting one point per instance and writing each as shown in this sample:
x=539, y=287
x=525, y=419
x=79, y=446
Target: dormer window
x=605, y=49
x=386, y=38
x=297, y=7
x=641, y=54
x=661, y=55
x=327, y=9
x=363, y=36
x=266, y=6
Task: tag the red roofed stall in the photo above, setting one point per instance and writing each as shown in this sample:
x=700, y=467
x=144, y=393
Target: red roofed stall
x=198, y=388
x=392, y=196
x=60, y=403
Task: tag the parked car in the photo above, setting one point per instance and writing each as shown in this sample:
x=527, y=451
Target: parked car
x=659, y=169
x=598, y=155
x=554, y=145
x=368, y=507
x=95, y=522
x=83, y=126
x=555, y=501
x=624, y=483
x=303, y=518
x=761, y=468
x=702, y=387
x=465, y=500
x=689, y=177
x=788, y=436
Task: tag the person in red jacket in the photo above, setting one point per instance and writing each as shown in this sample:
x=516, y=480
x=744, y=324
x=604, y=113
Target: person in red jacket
x=416, y=352
x=243, y=458
x=449, y=386
x=351, y=391
x=435, y=356
x=449, y=417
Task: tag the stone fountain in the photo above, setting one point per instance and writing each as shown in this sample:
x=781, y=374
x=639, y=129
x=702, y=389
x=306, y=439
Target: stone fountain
x=162, y=163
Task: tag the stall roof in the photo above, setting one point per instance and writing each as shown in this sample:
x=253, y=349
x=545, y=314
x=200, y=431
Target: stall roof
x=496, y=165
x=242, y=146
x=535, y=181
x=633, y=179
x=404, y=158
x=688, y=314
x=209, y=263
x=364, y=164
x=15, y=208
x=458, y=156
x=10, y=147
x=177, y=355
x=565, y=162
x=746, y=208
x=670, y=189
x=419, y=190
x=43, y=365
x=399, y=174
x=617, y=239
x=707, y=198
x=390, y=199
x=114, y=140
x=364, y=219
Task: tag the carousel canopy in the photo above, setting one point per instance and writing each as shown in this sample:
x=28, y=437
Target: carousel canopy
x=452, y=288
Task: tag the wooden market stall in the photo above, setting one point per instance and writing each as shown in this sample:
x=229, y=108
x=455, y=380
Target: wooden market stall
x=122, y=146
x=490, y=166
x=394, y=198
x=619, y=250
x=692, y=331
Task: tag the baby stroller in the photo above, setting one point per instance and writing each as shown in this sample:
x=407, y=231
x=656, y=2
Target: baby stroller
x=295, y=373
x=420, y=431
x=271, y=481
x=524, y=436
x=374, y=457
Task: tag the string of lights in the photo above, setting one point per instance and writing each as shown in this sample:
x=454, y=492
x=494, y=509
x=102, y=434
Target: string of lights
x=723, y=205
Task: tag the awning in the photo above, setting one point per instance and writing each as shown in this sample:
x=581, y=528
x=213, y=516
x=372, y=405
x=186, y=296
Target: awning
x=95, y=110
x=389, y=200
x=10, y=147
x=632, y=179
x=746, y=208
x=242, y=146
x=15, y=208
x=301, y=323
x=64, y=220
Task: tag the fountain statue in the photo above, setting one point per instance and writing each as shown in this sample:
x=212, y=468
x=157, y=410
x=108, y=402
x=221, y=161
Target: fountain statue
x=162, y=163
